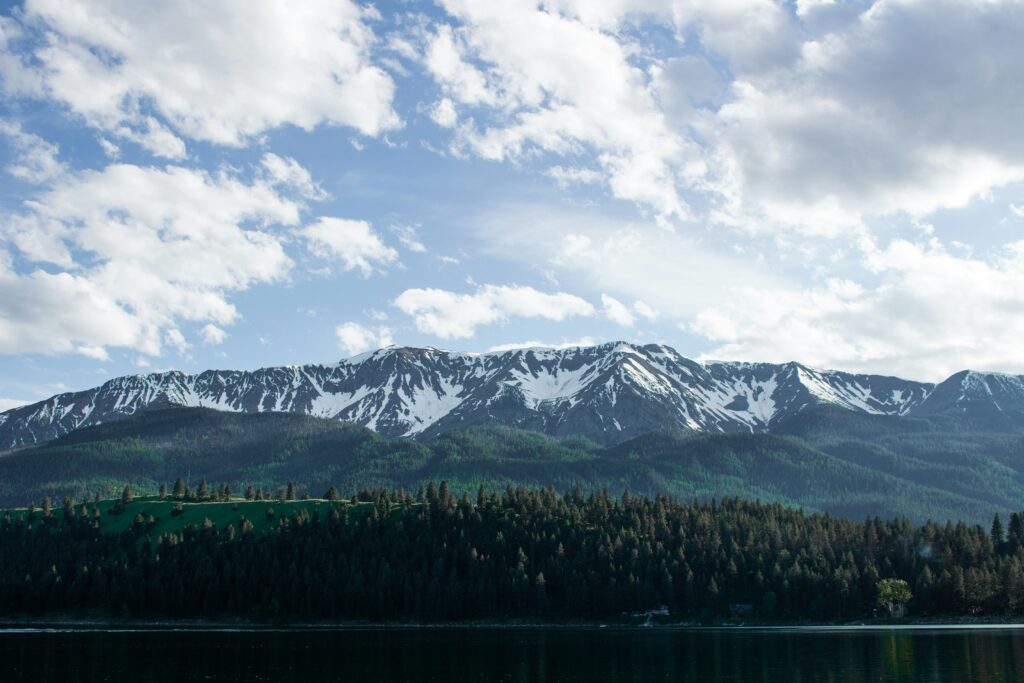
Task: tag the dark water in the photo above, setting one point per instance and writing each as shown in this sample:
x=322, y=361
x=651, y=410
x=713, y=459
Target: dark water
x=451, y=655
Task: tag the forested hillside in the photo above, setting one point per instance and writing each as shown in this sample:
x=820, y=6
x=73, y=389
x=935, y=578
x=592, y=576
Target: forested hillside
x=823, y=460
x=518, y=554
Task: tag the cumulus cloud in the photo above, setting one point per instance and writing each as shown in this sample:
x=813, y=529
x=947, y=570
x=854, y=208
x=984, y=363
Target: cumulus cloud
x=554, y=84
x=408, y=235
x=566, y=176
x=644, y=311
x=450, y=315
x=534, y=344
x=218, y=72
x=109, y=148
x=35, y=160
x=288, y=172
x=797, y=133
x=355, y=338
x=443, y=113
x=617, y=312
x=11, y=403
x=930, y=314
x=120, y=256
x=212, y=335
x=351, y=243
x=889, y=114
x=814, y=120
x=669, y=272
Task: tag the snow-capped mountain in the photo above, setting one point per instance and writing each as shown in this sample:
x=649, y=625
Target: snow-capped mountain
x=609, y=393
x=992, y=400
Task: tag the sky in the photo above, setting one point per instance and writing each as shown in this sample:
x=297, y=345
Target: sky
x=235, y=184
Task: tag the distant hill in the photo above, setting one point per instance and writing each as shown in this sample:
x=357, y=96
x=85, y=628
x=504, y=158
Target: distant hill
x=824, y=458
x=607, y=393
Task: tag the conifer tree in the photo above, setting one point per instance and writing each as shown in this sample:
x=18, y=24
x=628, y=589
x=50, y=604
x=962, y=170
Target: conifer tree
x=996, y=533
x=1016, y=531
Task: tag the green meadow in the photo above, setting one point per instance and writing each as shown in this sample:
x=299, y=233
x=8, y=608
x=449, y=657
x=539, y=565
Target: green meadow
x=170, y=515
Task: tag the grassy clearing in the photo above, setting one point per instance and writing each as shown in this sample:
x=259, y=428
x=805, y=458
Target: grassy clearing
x=220, y=513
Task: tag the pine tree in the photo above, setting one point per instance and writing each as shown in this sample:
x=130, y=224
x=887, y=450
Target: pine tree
x=332, y=494
x=179, y=488
x=163, y=491
x=204, y=491
x=126, y=495
x=1016, y=536
x=290, y=493
x=997, y=532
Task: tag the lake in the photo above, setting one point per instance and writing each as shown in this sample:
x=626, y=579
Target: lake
x=553, y=655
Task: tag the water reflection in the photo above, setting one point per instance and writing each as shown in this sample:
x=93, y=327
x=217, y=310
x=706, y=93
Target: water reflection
x=486, y=655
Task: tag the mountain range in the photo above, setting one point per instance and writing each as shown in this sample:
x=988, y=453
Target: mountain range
x=608, y=393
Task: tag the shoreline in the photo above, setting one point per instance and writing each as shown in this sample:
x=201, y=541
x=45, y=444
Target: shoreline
x=58, y=624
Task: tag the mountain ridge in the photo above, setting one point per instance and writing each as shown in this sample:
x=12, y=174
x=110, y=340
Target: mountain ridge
x=609, y=393
x=825, y=458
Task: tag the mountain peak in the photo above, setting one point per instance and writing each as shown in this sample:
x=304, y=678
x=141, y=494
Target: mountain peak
x=608, y=392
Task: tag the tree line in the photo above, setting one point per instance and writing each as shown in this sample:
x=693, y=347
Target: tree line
x=513, y=554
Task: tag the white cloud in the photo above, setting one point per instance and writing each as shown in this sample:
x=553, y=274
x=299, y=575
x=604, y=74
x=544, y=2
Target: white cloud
x=110, y=149
x=617, y=312
x=817, y=120
x=443, y=113
x=288, y=172
x=644, y=311
x=566, y=176
x=909, y=108
x=221, y=72
x=550, y=83
x=355, y=338
x=117, y=257
x=353, y=243
x=154, y=137
x=1017, y=211
x=583, y=341
x=670, y=272
x=175, y=338
x=35, y=160
x=409, y=237
x=444, y=59
x=11, y=403
x=450, y=315
x=930, y=314
x=212, y=335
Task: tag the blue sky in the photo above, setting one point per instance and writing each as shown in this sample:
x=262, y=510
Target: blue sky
x=234, y=185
